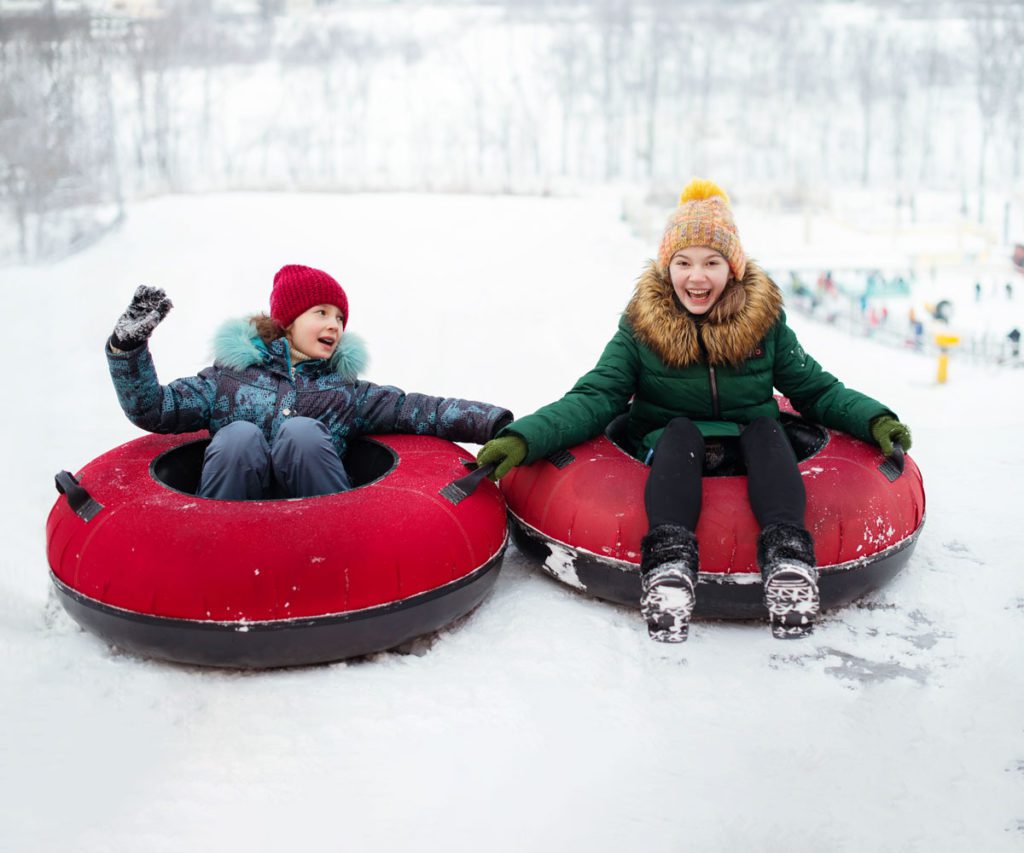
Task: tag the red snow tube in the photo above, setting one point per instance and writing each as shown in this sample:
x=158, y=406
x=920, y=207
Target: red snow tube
x=581, y=512
x=137, y=558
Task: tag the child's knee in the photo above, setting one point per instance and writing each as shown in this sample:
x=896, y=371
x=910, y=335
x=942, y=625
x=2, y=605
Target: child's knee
x=764, y=425
x=683, y=429
x=239, y=437
x=302, y=431
x=239, y=445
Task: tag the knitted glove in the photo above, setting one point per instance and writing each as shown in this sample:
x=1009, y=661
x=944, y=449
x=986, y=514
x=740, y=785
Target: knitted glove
x=507, y=451
x=149, y=306
x=885, y=430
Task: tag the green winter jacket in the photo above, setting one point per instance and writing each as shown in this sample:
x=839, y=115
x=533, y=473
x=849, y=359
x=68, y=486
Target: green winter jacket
x=722, y=373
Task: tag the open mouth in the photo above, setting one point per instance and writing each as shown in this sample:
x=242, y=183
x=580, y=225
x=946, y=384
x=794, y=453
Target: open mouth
x=698, y=295
x=327, y=342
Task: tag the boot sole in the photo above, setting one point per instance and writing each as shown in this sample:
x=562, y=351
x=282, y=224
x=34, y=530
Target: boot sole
x=668, y=620
x=793, y=604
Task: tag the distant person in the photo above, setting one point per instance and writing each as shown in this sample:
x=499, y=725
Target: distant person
x=977, y=291
x=943, y=311
x=282, y=399
x=917, y=330
x=1009, y=290
x=700, y=349
x=1014, y=337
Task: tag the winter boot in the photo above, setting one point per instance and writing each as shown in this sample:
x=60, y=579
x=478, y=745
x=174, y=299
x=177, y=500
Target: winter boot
x=668, y=582
x=786, y=556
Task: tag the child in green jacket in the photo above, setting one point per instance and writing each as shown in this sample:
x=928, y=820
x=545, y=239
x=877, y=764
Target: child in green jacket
x=698, y=353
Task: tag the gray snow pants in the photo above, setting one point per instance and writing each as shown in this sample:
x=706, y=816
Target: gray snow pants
x=240, y=465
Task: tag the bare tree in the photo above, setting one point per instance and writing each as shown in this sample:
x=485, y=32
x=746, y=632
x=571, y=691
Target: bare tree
x=932, y=65
x=1015, y=85
x=49, y=162
x=152, y=47
x=898, y=69
x=654, y=51
x=569, y=64
x=864, y=49
x=994, y=53
x=614, y=20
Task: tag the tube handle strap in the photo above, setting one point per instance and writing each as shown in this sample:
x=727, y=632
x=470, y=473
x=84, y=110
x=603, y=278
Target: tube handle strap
x=84, y=505
x=458, y=490
x=893, y=465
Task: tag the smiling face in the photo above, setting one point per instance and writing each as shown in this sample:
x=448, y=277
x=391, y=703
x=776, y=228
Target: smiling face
x=316, y=332
x=699, y=276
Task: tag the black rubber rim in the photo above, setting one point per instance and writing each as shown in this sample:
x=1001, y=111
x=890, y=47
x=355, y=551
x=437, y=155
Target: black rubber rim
x=717, y=598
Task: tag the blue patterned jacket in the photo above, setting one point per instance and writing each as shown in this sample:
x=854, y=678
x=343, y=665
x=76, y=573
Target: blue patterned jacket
x=253, y=381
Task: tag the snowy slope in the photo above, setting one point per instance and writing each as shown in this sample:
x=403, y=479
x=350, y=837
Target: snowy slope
x=545, y=720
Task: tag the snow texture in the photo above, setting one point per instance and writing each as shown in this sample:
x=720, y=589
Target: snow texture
x=545, y=720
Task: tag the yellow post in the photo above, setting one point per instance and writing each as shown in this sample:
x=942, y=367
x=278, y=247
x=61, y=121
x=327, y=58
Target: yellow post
x=944, y=342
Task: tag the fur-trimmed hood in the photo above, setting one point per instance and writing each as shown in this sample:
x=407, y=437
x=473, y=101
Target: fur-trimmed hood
x=732, y=330
x=237, y=345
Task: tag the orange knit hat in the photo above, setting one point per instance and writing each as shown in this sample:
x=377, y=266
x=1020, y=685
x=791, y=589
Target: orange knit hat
x=703, y=218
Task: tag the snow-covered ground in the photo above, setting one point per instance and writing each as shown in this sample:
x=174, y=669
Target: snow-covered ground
x=545, y=720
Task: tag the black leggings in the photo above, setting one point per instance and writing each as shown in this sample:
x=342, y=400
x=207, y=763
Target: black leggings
x=774, y=484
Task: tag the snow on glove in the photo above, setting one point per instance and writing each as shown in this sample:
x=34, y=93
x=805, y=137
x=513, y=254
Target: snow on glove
x=149, y=306
x=886, y=430
x=506, y=452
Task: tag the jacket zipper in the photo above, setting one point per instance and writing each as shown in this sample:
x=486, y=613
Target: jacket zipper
x=711, y=373
x=282, y=389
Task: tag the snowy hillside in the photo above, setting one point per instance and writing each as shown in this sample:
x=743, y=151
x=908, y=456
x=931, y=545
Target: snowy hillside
x=545, y=720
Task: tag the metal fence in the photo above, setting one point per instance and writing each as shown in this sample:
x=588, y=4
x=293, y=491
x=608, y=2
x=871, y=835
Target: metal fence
x=901, y=332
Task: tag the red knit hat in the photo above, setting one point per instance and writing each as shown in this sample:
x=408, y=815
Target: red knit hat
x=298, y=288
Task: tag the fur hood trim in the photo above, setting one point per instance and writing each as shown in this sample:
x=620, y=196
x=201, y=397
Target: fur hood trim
x=237, y=345
x=734, y=327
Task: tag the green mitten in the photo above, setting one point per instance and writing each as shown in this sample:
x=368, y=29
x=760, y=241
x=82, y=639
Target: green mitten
x=507, y=452
x=886, y=430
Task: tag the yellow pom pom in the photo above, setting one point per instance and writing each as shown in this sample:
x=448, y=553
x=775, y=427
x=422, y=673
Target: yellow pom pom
x=699, y=189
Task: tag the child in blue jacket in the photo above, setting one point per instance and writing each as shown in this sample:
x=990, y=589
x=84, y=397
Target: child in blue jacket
x=282, y=399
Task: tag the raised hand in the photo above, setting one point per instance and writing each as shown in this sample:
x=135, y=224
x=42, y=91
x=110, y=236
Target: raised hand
x=149, y=306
